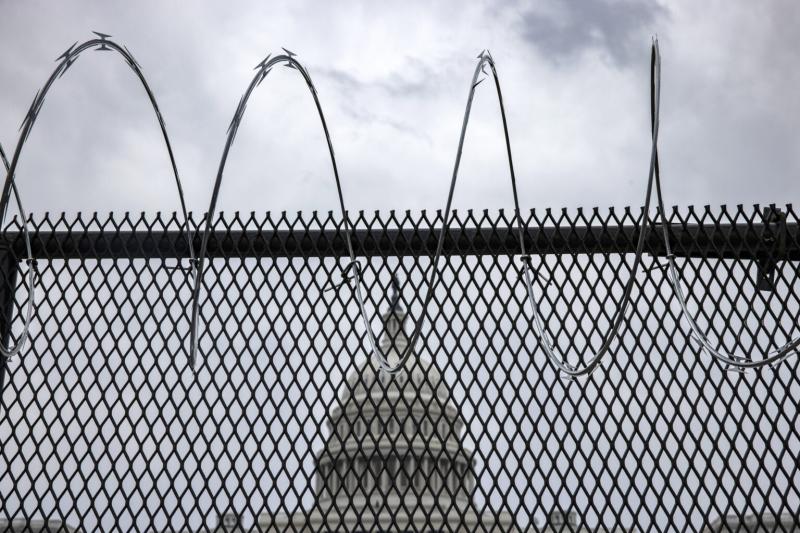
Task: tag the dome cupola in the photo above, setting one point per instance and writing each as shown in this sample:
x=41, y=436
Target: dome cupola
x=395, y=437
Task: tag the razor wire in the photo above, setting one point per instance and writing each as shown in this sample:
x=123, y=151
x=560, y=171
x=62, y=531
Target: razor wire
x=102, y=43
x=9, y=353
x=484, y=58
x=263, y=68
x=352, y=272
x=733, y=361
x=616, y=321
x=353, y=268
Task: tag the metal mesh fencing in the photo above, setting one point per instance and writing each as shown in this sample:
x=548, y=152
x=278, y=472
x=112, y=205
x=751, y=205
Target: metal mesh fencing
x=287, y=424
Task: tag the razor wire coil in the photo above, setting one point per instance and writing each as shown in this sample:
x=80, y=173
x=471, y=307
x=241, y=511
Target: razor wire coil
x=102, y=43
x=352, y=271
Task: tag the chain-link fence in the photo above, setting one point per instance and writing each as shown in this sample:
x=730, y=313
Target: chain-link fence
x=287, y=424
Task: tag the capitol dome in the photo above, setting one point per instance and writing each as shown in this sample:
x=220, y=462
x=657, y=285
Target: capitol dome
x=394, y=457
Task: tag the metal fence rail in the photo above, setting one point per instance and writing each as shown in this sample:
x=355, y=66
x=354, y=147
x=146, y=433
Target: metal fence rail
x=287, y=424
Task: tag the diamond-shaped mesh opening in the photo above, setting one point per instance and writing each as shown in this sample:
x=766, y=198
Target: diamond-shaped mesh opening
x=287, y=424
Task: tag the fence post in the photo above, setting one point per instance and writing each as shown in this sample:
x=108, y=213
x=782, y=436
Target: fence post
x=8, y=288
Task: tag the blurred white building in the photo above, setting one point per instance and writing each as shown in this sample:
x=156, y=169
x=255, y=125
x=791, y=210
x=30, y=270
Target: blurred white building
x=394, y=458
x=752, y=524
x=34, y=526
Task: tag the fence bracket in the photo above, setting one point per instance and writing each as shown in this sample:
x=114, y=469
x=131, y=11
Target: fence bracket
x=774, y=236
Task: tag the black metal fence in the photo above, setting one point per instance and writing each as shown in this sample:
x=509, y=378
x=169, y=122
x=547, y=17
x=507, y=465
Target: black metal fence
x=286, y=424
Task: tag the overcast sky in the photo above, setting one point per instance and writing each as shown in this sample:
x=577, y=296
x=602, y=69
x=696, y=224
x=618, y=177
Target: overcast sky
x=393, y=82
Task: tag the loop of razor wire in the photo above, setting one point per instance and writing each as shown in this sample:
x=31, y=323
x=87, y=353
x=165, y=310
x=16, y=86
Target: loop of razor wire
x=264, y=67
x=10, y=353
x=616, y=322
x=352, y=271
x=484, y=58
x=734, y=362
x=66, y=60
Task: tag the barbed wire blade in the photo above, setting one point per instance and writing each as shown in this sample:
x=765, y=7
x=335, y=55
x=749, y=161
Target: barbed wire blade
x=263, y=76
x=331, y=286
x=735, y=369
x=786, y=356
x=656, y=266
x=694, y=338
x=288, y=52
x=103, y=36
x=67, y=65
x=241, y=107
x=136, y=63
x=480, y=56
x=478, y=82
x=67, y=53
x=38, y=103
x=31, y=110
x=234, y=122
x=263, y=62
x=566, y=375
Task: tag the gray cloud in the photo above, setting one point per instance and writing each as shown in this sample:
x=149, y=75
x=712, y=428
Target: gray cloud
x=418, y=79
x=392, y=83
x=396, y=85
x=616, y=27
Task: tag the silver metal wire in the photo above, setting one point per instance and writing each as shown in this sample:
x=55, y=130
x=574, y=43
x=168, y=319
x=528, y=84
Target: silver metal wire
x=352, y=271
x=65, y=61
x=10, y=353
x=733, y=362
x=484, y=58
x=264, y=67
x=616, y=322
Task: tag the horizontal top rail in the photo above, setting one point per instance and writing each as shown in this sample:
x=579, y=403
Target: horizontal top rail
x=741, y=240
